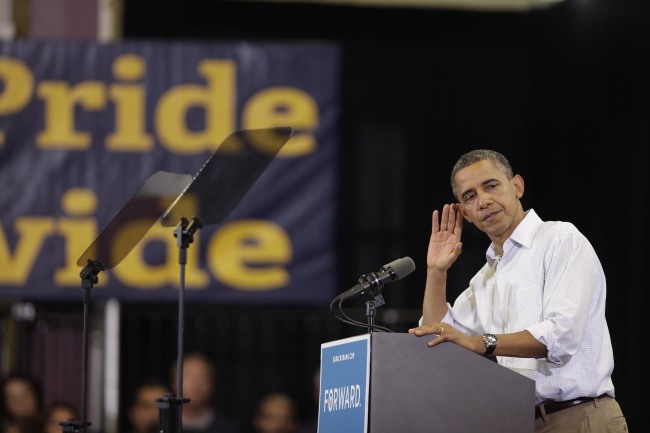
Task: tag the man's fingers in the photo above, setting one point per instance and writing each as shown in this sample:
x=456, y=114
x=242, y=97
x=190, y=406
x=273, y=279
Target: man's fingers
x=452, y=218
x=435, y=224
x=445, y=217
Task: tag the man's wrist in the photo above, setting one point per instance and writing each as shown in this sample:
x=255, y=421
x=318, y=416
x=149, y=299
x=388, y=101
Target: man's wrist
x=490, y=341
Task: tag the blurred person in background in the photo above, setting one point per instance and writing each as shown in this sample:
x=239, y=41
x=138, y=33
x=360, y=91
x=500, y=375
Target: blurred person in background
x=142, y=411
x=199, y=414
x=59, y=412
x=20, y=400
x=276, y=412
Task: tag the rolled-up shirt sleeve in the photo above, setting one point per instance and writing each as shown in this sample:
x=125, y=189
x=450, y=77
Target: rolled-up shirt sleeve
x=573, y=274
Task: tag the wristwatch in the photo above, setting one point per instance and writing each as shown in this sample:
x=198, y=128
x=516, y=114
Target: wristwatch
x=491, y=341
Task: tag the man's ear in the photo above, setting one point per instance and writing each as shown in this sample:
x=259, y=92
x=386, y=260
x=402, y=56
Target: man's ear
x=518, y=183
x=461, y=209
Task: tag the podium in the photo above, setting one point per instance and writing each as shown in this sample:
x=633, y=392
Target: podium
x=393, y=382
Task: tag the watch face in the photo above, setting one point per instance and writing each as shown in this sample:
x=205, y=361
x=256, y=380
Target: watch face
x=490, y=340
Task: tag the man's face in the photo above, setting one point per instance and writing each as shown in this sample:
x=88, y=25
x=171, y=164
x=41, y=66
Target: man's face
x=488, y=199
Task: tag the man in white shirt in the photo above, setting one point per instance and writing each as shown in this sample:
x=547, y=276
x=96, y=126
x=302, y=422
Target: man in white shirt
x=537, y=305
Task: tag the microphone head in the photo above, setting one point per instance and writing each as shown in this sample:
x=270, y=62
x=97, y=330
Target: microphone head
x=400, y=267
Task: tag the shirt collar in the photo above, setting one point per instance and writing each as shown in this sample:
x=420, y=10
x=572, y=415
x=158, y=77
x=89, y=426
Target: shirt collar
x=523, y=235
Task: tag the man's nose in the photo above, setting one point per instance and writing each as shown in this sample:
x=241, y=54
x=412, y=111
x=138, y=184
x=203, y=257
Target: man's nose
x=484, y=200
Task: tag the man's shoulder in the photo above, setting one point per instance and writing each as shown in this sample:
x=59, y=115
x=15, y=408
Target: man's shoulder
x=559, y=228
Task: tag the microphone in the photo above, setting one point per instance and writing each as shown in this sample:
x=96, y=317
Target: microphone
x=373, y=282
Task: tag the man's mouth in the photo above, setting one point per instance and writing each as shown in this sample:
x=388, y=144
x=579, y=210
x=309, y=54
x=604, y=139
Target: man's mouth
x=488, y=216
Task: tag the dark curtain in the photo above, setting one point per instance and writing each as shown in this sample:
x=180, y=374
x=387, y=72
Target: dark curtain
x=563, y=92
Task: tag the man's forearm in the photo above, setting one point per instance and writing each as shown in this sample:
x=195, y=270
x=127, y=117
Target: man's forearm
x=434, y=306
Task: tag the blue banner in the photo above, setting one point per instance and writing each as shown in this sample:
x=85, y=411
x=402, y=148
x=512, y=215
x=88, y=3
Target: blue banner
x=344, y=385
x=83, y=125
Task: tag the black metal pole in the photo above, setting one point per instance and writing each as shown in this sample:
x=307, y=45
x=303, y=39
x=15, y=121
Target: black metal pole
x=88, y=279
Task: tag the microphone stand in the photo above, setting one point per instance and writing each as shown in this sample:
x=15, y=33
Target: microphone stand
x=371, y=310
x=170, y=409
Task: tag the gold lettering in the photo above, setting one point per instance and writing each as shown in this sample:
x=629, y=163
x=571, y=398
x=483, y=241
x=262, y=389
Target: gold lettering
x=17, y=84
x=216, y=99
x=136, y=272
x=250, y=255
x=32, y=232
x=130, y=108
x=60, y=103
x=78, y=233
x=284, y=106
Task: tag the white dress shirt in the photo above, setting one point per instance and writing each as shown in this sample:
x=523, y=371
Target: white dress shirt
x=551, y=283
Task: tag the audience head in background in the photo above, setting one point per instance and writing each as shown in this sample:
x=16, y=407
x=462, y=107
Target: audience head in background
x=198, y=384
x=142, y=410
x=276, y=412
x=21, y=397
x=59, y=412
x=199, y=414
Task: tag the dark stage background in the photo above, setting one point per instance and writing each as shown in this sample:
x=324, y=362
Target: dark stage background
x=564, y=92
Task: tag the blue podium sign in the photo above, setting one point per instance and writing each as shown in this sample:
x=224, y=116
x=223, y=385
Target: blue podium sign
x=344, y=385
